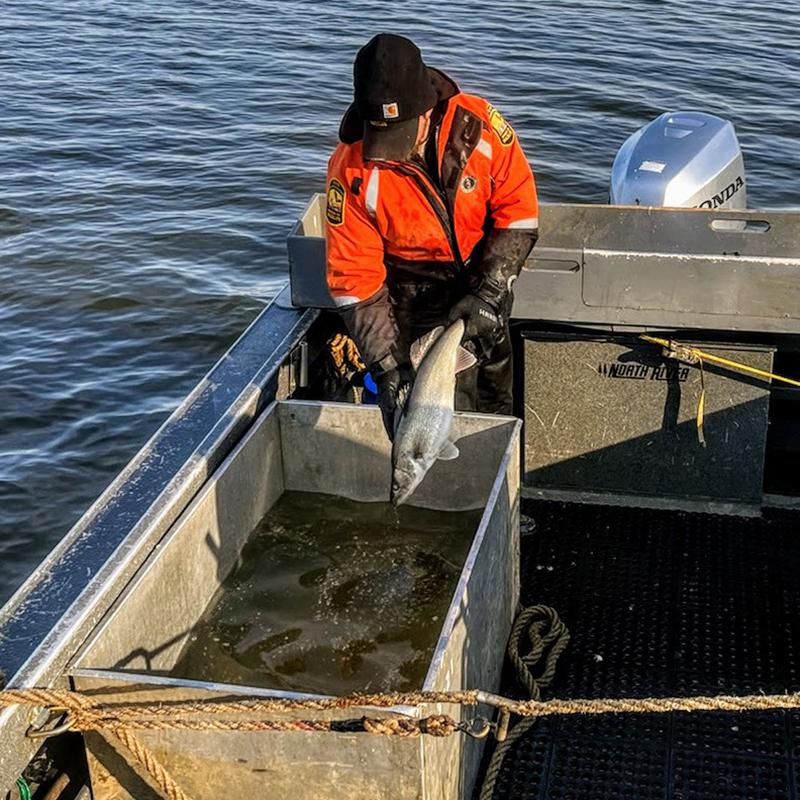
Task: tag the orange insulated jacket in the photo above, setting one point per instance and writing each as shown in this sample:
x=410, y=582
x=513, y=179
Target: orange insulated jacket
x=386, y=217
x=379, y=209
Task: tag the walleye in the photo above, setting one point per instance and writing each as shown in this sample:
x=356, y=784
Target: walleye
x=423, y=433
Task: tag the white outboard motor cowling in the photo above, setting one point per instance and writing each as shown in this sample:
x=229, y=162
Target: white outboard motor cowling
x=681, y=159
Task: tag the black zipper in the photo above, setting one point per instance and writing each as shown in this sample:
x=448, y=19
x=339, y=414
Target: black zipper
x=438, y=202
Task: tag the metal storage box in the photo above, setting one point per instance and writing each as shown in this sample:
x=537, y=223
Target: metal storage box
x=331, y=448
x=614, y=417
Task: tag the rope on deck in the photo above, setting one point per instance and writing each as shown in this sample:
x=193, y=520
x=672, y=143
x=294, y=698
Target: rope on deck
x=538, y=631
x=134, y=717
x=547, y=638
x=169, y=788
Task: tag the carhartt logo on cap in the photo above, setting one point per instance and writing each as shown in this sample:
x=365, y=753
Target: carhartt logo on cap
x=390, y=111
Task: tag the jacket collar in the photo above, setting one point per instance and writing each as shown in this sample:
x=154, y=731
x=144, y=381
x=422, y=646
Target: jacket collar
x=351, y=129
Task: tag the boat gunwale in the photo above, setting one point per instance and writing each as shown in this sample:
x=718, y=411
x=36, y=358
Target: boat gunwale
x=39, y=657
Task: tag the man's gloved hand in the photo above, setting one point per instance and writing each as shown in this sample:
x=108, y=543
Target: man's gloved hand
x=482, y=320
x=394, y=386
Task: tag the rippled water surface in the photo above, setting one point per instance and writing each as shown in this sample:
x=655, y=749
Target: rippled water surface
x=153, y=156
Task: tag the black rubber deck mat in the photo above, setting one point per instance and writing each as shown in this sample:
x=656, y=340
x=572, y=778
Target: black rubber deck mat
x=663, y=603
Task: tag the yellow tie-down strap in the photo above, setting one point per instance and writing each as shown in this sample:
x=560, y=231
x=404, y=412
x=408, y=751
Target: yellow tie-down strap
x=693, y=355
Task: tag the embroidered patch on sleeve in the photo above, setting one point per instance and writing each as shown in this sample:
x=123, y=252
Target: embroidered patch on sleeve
x=505, y=133
x=334, y=211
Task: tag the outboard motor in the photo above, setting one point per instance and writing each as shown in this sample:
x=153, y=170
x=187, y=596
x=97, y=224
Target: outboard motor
x=683, y=158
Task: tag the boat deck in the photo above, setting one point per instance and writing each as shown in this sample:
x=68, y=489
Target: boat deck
x=663, y=603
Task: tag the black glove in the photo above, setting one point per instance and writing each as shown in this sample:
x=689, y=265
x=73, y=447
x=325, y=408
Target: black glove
x=486, y=309
x=483, y=321
x=394, y=386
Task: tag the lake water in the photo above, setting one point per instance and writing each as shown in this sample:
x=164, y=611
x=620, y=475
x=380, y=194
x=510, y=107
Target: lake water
x=331, y=596
x=154, y=154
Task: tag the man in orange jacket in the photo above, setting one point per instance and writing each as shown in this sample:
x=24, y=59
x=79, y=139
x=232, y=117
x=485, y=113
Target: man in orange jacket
x=431, y=212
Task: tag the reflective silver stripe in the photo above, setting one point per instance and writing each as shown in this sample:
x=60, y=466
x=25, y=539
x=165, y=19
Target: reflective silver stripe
x=345, y=300
x=531, y=224
x=371, y=197
x=485, y=148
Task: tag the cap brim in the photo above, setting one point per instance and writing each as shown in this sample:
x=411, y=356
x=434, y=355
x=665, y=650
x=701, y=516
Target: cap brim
x=392, y=141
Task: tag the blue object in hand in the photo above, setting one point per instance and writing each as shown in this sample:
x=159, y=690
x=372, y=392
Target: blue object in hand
x=370, y=394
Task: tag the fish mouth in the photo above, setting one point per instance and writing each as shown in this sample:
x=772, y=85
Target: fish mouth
x=399, y=494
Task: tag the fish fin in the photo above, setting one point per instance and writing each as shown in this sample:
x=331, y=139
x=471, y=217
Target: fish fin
x=423, y=344
x=464, y=360
x=448, y=452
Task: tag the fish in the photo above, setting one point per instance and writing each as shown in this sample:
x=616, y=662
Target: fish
x=422, y=433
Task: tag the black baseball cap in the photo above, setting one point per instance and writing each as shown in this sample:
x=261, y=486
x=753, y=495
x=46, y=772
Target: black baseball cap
x=393, y=87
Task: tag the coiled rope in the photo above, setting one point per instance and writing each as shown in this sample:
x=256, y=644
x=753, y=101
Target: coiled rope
x=547, y=638
x=341, y=359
